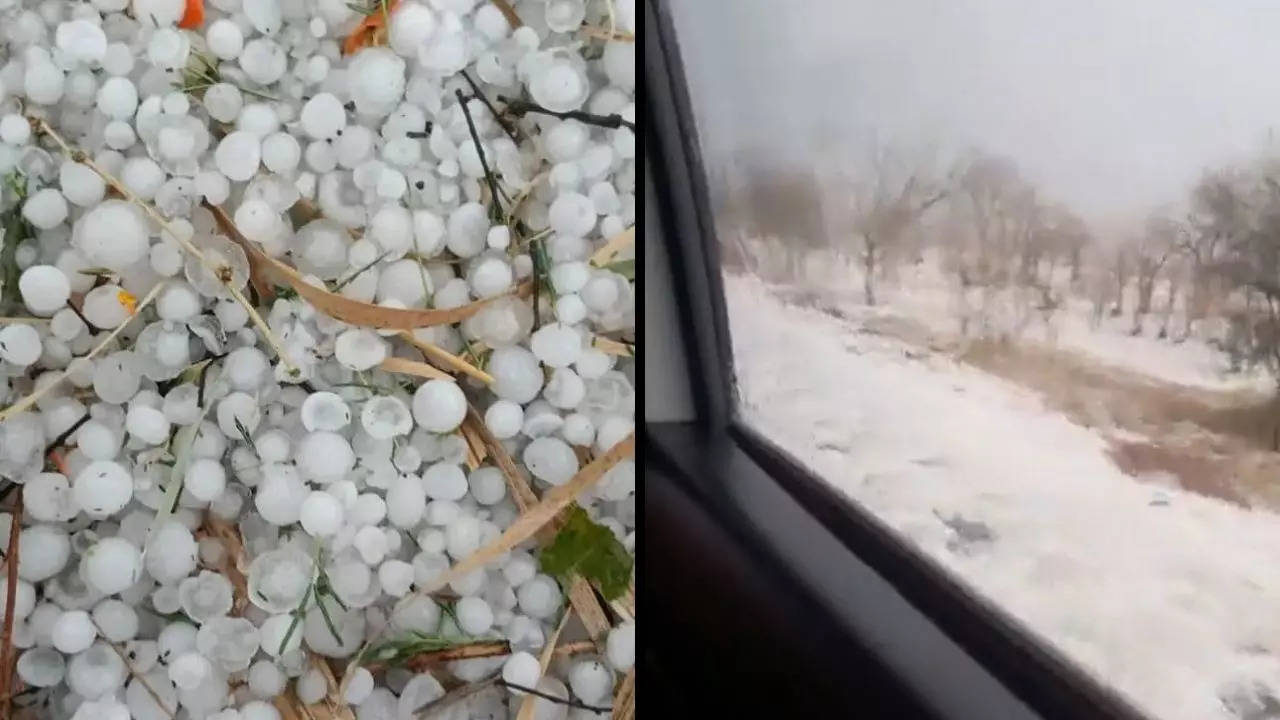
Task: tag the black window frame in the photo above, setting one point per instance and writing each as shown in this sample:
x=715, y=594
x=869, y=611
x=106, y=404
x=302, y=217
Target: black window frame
x=717, y=452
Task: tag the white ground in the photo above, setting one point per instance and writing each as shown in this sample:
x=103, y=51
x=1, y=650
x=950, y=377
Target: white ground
x=1171, y=597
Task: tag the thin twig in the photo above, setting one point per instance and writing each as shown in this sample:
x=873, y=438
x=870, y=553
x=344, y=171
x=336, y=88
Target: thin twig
x=146, y=685
x=614, y=121
x=502, y=123
x=508, y=12
x=475, y=137
x=548, y=696
x=42, y=126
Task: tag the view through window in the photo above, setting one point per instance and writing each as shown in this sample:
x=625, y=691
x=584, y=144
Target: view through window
x=1007, y=273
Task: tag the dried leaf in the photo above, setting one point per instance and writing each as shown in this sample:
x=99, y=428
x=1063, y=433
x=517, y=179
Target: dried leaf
x=343, y=308
x=615, y=245
x=584, y=601
x=405, y=366
x=444, y=357
x=537, y=516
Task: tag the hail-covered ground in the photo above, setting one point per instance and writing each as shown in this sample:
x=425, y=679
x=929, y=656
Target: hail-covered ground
x=223, y=483
x=1162, y=593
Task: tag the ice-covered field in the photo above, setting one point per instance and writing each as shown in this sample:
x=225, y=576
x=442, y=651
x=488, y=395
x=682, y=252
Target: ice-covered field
x=1171, y=597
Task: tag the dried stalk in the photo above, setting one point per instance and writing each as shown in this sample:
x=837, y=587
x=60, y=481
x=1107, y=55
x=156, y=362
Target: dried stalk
x=615, y=245
x=405, y=366
x=624, y=702
x=444, y=357
x=544, y=661
x=508, y=12
x=7, y=658
x=77, y=155
x=31, y=399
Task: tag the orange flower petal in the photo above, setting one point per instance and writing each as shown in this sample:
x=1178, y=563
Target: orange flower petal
x=193, y=15
x=128, y=300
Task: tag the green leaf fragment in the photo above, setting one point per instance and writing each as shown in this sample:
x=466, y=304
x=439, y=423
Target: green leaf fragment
x=591, y=550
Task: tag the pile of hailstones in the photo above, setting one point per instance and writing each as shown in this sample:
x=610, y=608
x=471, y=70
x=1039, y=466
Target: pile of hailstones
x=333, y=460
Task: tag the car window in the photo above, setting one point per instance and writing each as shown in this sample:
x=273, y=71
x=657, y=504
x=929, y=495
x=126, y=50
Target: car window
x=1005, y=273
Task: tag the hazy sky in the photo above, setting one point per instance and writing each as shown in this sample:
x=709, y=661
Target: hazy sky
x=1113, y=106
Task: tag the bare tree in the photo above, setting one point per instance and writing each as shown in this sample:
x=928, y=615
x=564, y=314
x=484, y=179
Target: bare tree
x=1158, y=242
x=889, y=196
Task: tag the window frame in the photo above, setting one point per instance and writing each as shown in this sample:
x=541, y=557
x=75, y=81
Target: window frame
x=964, y=654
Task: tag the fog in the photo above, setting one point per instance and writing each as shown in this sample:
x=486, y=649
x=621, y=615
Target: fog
x=1111, y=106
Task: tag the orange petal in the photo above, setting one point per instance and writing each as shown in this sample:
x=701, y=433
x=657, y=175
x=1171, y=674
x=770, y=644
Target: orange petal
x=128, y=300
x=193, y=16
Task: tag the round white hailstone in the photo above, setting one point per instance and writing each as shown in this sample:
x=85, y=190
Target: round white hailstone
x=228, y=642
x=112, y=565
x=176, y=103
x=117, y=619
x=565, y=390
x=321, y=514
x=279, y=495
x=172, y=552
x=236, y=411
x=256, y=220
x=212, y=186
x=578, y=430
x=178, y=301
x=310, y=687
x=324, y=456
x=45, y=209
x=556, y=344
x=15, y=129
x=428, y=233
x=279, y=578
x=45, y=552
x=323, y=116
x=384, y=417
x=604, y=198
x=522, y=669
x=423, y=688
x=572, y=214
x=412, y=25
x=20, y=344
x=439, y=406
x=566, y=141
x=103, y=488
x=612, y=430
x=188, y=670
x=444, y=481
x=559, y=85
x=97, y=441
x=266, y=16
x=41, y=667
x=119, y=135
x=462, y=536
x=451, y=294
x=43, y=82
x=80, y=184
x=406, y=501
x=499, y=237
x=114, y=235
x=147, y=424
x=468, y=230
x=223, y=101
x=67, y=326
x=143, y=176
x=377, y=82
x=224, y=39
x=98, y=672
x=266, y=680
x=205, y=596
x=360, y=349
x=263, y=60
x=391, y=227
x=47, y=497
x=168, y=48
x=325, y=411
x=205, y=479
x=564, y=16
x=551, y=460
x=590, y=680
x=539, y=597
x=516, y=373
x=487, y=485
x=175, y=638
x=371, y=543
x=320, y=247
x=490, y=276
x=396, y=577
x=504, y=419
x=368, y=509
x=245, y=368
x=238, y=155
x=117, y=98
x=620, y=647
x=475, y=617
x=570, y=310
x=359, y=687
x=349, y=624
x=593, y=364
x=281, y=152
x=401, y=281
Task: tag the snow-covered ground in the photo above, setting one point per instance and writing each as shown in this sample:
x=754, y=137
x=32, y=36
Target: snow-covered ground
x=1171, y=597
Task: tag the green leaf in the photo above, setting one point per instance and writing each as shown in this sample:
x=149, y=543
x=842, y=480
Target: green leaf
x=625, y=268
x=592, y=551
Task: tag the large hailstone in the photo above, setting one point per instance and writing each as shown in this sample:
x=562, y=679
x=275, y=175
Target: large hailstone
x=439, y=406
x=113, y=235
x=376, y=77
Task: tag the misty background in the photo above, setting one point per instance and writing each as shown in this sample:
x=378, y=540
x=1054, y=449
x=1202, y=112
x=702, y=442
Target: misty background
x=1111, y=107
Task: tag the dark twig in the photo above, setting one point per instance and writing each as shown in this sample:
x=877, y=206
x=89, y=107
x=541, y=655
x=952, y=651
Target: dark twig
x=548, y=696
x=204, y=372
x=475, y=137
x=614, y=121
x=80, y=315
x=494, y=111
x=65, y=434
x=10, y=595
